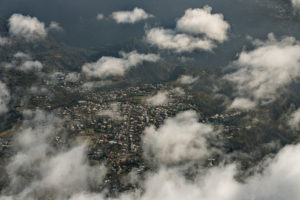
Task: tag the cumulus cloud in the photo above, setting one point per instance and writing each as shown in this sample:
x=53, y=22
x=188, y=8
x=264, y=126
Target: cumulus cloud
x=22, y=56
x=197, y=29
x=280, y=179
x=23, y=62
x=29, y=28
x=39, y=170
x=280, y=176
x=178, y=139
x=272, y=65
x=111, y=66
x=137, y=14
x=171, y=184
x=4, y=98
x=294, y=119
x=179, y=42
x=30, y=65
x=55, y=26
x=187, y=79
x=161, y=98
x=201, y=21
x=242, y=104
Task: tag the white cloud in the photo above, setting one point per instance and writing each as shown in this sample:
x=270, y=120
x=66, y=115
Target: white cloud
x=201, y=21
x=29, y=28
x=171, y=184
x=72, y=77
x=24, y=62
x=111, y=66
x=187, y=79
x=179, y=42
x=280, y=178
x=100, y=16
x=242, y=103
x=271, y=66
x=22, y=56
x=39, y=169
x=137, y=14
x=161, y=98
x=197, y=29
x=96, y=84
x=31, y=65
x=4, y=98
x=296, y=4
x=66, y=172
x=178, y=139
x=178, y=91
x=113, y=112
x=294, y=120
x=55, y=26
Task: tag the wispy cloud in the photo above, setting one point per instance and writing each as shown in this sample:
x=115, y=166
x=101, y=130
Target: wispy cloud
x=294, y=119
x=38, y=169
x=187, y=79
x=55, y=26
x=161, y=98
x=113, y=112
x=242, y=104
x=23, y=62
x=4, y=98
x=100, y=16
